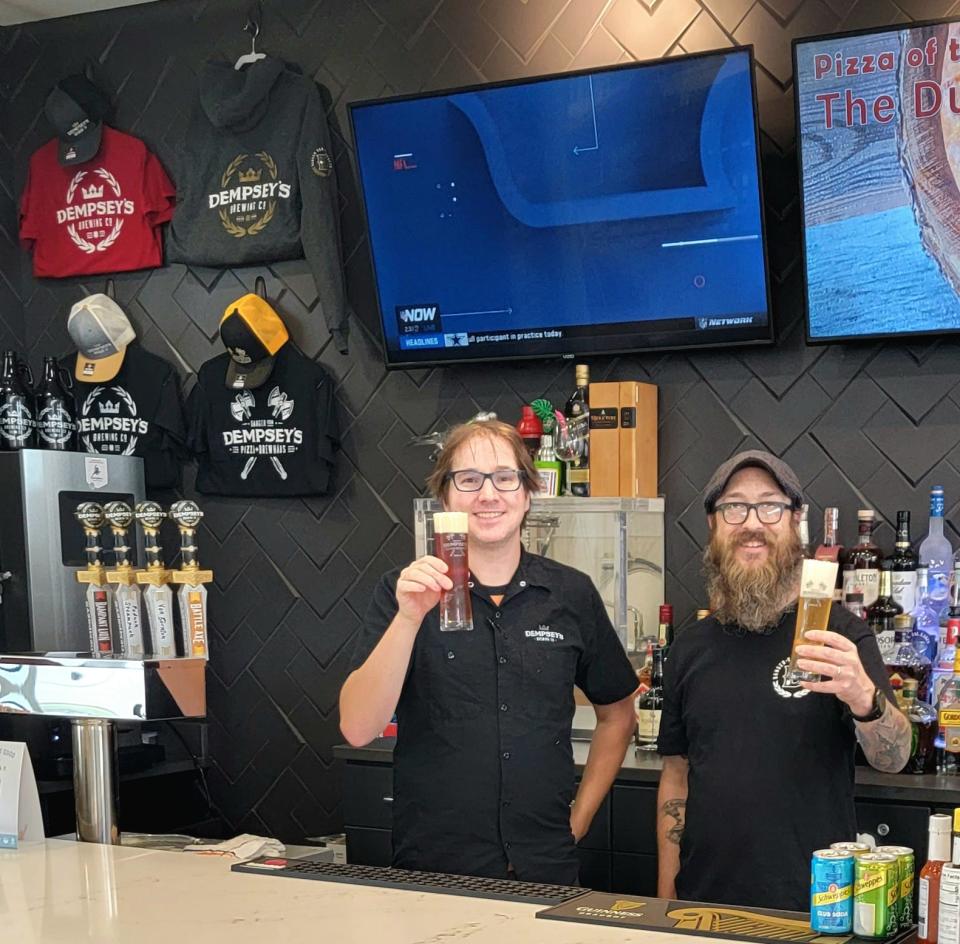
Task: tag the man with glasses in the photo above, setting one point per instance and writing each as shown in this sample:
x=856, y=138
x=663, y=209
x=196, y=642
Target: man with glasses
x=483, y=770
x=758, y=772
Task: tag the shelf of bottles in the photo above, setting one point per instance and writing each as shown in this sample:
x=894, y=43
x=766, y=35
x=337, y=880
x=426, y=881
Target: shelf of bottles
x=911, y=600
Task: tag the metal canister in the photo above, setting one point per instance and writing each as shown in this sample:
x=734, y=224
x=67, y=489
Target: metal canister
x=875, y=890
x=905, y=864
x=857, y=848
x=831, y=891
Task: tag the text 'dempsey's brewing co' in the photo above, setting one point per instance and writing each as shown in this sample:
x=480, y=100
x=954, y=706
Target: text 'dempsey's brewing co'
x=905, y=867
x=831, y=891
x=875, y=890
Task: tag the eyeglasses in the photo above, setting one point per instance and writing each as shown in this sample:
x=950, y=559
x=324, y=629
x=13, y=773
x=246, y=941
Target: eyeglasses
x=738, y=512
x=470, y=480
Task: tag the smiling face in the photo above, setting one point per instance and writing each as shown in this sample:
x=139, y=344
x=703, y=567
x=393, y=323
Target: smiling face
x=495, y=517
x=752, y=542
x=752, y=568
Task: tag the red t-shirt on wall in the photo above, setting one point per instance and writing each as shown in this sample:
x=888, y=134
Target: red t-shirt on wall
x=100, y=216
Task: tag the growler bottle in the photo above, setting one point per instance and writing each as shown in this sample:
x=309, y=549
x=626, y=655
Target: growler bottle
x=56, y=416
x=16, y=406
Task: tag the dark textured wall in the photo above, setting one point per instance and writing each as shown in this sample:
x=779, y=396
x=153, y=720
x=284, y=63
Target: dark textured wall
x=873, y=423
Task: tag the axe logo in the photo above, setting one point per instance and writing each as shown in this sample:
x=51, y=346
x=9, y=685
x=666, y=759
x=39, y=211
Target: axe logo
x=418, y=319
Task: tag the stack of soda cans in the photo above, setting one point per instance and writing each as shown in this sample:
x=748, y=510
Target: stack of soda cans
x=868, y=892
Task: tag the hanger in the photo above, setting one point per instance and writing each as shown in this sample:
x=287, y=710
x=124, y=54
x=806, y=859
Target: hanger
x=109, y=290
x=252, y=27
x=260, y=287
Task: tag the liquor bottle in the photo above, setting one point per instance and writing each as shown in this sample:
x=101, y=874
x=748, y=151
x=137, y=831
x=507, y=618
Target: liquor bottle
x=881, y=612
x=865, y=557
x=923, y=728
x=925, y=616
x=665, y=630
x=903, y=662
x=56, y=416
x=650, y=705
x=530, y=429
x=830, y=550
x=904, y=560
x=852, y=591
x=936, y=555
x=803, y=529
x=928, y=885
x=578, y=472
x=549, y=467
x=16, y=406
x=948, y=710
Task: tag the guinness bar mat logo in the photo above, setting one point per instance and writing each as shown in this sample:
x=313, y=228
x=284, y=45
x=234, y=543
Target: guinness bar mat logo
x=703, y=920
x=251, y=191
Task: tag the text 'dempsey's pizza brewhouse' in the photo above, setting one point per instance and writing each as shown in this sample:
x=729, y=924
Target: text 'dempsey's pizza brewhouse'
x=256, y=180
x=127, y=399
x=95, y=198
x=262, y=416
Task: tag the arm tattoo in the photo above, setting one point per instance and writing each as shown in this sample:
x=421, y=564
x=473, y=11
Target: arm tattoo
x=676, y=810
x=886, y=741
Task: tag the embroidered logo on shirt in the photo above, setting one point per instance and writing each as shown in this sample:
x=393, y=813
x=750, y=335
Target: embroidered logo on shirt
x=543, y=633
x=320, y=162
x=780, y=685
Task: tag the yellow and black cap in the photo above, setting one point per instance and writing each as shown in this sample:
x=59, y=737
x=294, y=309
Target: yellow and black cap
x=252, y=332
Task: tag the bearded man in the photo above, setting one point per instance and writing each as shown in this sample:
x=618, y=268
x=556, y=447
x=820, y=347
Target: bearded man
x=758, y=773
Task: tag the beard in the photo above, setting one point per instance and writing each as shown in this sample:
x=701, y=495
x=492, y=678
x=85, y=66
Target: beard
x=752, y=596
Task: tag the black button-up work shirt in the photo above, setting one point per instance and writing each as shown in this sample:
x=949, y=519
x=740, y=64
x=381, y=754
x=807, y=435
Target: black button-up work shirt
x=483, y=766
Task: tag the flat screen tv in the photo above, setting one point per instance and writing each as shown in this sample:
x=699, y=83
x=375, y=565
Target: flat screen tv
x=879, y=145
x=594, y=212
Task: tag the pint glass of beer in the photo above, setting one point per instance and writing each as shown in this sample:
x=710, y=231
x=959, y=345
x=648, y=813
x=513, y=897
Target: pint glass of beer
x=450, y=545
x=817, y=580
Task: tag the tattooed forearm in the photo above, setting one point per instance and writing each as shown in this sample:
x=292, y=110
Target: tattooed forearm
x=675, y=810
x=886, y=741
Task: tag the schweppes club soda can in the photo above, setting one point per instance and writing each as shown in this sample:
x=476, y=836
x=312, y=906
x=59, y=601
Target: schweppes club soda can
x=875, y=889
x=831, y=891
x=905, y=864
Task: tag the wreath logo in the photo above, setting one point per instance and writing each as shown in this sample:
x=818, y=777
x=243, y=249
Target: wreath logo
x=238, y=219
x=100, y=245
x=110, y=407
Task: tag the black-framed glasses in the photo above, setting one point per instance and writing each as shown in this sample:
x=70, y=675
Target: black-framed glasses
x=738, y=512
x=470, y=480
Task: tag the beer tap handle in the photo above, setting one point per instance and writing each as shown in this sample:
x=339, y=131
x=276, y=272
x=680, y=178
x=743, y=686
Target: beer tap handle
x=92, y=548
x=188, y=548
x=151, y=547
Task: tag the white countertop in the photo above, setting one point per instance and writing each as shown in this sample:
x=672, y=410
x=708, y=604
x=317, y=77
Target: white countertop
x=61, y=891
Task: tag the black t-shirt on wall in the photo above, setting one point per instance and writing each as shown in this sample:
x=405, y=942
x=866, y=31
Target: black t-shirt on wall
x=276, y=440
x=137, y=413
x=771, y=766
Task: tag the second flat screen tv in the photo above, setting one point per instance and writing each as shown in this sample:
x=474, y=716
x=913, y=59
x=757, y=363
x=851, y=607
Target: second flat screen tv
x=879, y=139
x=615, y=210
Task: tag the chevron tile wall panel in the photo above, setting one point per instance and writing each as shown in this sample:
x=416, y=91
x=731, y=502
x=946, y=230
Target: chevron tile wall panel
x=868, y=424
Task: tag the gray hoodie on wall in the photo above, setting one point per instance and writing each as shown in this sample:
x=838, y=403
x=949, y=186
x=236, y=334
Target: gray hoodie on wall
x=256, y=183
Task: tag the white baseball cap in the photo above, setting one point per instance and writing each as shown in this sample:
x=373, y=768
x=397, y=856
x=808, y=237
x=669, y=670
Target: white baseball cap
x=101, y=331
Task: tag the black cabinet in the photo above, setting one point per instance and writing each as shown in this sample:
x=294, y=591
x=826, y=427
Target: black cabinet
x=893, y=825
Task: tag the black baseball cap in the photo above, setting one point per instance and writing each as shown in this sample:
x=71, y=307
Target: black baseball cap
x=782, y=474
x=75, y=108
x=252, y=332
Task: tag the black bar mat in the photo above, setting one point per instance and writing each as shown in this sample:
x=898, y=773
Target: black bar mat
x=705, y=920
x=470, y=886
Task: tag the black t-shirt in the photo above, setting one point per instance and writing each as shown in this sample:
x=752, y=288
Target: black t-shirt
x=276, y=440
x=483, y=767
x=138, y=413
x=771, y=766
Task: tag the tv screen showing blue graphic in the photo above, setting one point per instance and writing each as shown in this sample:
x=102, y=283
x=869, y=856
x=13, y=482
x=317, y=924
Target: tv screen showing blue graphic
x=879, y=141
x=616, y=210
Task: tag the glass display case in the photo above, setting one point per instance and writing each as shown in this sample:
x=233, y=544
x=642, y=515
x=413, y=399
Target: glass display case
x=617, y=541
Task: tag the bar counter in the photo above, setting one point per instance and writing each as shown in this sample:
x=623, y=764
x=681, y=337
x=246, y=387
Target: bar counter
x=62, y=892
x=644, y=767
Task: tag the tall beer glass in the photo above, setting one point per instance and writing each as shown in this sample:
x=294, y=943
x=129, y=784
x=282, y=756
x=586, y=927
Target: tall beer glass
x=450, y=545
x=817, y=580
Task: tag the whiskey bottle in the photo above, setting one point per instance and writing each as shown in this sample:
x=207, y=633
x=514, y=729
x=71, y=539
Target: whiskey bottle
x=865, y=557
x=830, y=550
x=880, y=614
x=904, y=560
x=578, y=472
